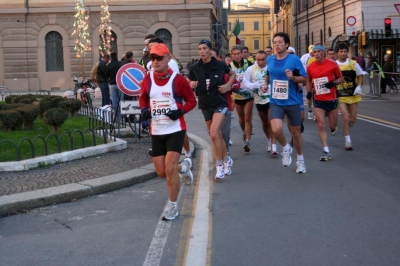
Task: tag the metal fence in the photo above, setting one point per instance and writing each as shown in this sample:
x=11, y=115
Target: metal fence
x=99, y=125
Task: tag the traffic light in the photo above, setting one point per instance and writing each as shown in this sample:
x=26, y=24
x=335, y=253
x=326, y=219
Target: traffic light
x=388, y=27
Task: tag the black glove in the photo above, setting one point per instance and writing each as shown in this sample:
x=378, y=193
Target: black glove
x=309, y=95
x=329, y=85
x=174, y=114
x=146, y=115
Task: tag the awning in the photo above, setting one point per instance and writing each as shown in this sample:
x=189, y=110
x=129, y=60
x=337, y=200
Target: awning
x=380, y=34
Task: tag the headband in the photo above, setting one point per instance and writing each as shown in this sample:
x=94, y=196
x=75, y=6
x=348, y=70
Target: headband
x=318, y=47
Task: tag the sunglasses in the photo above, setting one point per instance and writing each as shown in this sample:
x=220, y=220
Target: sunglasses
x=156, y=57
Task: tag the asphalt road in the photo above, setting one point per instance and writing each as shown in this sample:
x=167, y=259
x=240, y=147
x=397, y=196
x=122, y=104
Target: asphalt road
x=341, y=212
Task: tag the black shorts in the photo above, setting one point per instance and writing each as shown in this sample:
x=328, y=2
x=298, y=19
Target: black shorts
x=161, y=144
x=208, y=113
x=262, y=108
x=326, y=105
x=243, y=102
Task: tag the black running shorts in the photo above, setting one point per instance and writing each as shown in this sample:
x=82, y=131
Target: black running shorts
x=262, y=108
x=326, y=105
x=208, y=113
x=243, y=102
x=161, y=144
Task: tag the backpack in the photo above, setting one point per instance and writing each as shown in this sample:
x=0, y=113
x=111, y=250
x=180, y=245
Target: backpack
x=93, y=72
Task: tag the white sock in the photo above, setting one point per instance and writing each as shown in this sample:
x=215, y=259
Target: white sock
x=172, y=202
x=300, y=157
x=326, y=149
x=188, y=153
x=347, y=138
x=268, y=140
x=274, y=147
x=287, y=147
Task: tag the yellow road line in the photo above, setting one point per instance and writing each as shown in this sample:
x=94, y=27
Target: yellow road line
x=379, y=120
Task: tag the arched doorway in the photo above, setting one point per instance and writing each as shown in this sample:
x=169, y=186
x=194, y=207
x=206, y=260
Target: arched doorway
x=113, y=47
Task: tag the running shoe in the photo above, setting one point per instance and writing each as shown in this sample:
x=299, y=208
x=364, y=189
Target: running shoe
x=187, y=176
x=301, y=167
x=220, y=172
x=326, y=156
x=310, y=116
x=273, y=152
x=286, y=158
x=333, y=131
x=247, y=146
x=230, y=143
x=228, y=167
x=244, y=138
x=269, y=146
x=347, y=146
x=150, y=152
x=170, y=212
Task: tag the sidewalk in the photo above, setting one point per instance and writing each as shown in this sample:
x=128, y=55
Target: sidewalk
x=63, y=182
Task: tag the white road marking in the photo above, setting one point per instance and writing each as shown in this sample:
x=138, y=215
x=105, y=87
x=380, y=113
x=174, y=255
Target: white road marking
x=157, y=244
x=199, y=241
x=377, y=123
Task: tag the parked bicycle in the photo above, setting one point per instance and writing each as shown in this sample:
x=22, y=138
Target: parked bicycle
x=84, y=85
x=4, y=92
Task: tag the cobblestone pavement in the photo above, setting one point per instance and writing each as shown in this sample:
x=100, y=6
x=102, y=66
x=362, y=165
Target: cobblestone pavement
x=78, y=170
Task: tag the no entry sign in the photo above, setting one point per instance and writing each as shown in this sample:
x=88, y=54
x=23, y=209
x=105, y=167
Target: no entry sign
x=129, y=77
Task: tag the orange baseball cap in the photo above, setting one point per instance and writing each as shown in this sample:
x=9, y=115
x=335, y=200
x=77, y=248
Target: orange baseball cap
x=159, y=49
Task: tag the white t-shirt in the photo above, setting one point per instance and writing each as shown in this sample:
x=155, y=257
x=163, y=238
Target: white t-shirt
x=359, y=71
x=172, y=65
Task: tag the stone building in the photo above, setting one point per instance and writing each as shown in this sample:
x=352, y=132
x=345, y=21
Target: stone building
x=37, y=49
x=330, y=22
x=255, y=24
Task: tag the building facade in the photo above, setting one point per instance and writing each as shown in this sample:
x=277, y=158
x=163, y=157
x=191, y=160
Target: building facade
x=255, y=25
x=37, y=49
x=330, y=21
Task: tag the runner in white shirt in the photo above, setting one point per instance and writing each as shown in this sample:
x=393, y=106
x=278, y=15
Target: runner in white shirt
x=254, y=79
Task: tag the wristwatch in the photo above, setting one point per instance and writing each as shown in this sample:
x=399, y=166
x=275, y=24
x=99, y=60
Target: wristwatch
x=292, y=78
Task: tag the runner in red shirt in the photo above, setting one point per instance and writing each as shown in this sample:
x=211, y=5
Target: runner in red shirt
x=323, y=75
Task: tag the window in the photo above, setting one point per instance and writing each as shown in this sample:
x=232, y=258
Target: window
x=241, y=26
x=321, y=39
x=312, y=37
x=307, y=42
x=256, y=44
x=329, y=32
x=256, y=25
x=166, y=36
x=230, y=26
x=299, y=44
x=242, y=42
x=269, y=42
x=54, y=52
x=269, y=25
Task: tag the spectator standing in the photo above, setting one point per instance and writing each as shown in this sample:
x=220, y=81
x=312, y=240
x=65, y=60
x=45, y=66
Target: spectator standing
x=386, y=68
x=112, y=69
x=102, y=79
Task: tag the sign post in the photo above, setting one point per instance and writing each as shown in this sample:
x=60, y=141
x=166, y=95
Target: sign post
x=129, y=78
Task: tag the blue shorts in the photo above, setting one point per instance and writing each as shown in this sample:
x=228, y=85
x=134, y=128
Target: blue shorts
x=293, y=112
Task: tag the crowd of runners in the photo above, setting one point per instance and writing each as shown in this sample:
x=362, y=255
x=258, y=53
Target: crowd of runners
x=274, y=81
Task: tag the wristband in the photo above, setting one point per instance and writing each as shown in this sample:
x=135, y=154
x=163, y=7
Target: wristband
x=292, y=79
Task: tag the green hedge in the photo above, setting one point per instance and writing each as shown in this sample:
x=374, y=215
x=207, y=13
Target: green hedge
x=28, y=113
x=55, y=118
x=9, y=119
x=72, y=106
